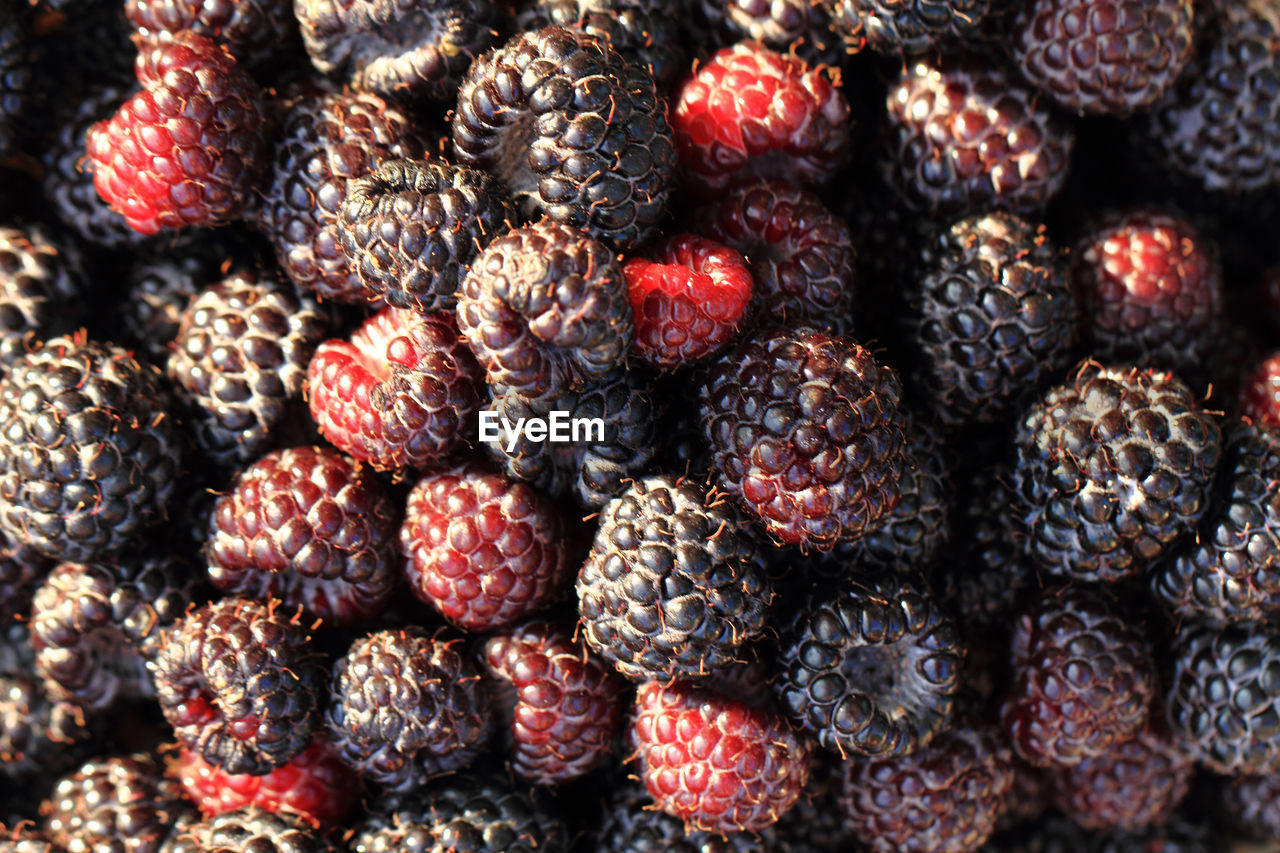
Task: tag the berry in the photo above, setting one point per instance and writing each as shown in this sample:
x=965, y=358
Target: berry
x=1178, y=836
x=240, y=358
x=38, y=736
x=1135, y=784
x=325, y=141
x=1260, y=399
x=644, y=32
x=564, y=706
x=798, y=27
x=406, y=707
x=402, y=392
x=314, y=785
x=411, y=229
x=239, y=682
x=1252, y=804
x=632, y=825
x=801, y=256
x=309, y=526
x=188, y=149
x=964, y=136
x=484, y=551
x=598, y=464
x=807, y=432
x=42, y=282
x=749, y=111
x=77, y=400
x=1113, y=468
x=689, y=297
x=253, y=30
x=16, y=75
x=1231, y=571
x=674, y=586
x=481, y=814
x=402, y=48
x=22, y=568
x=716, y=763
x=942, y=798
x=1224, y=700
x=1104, y=56
x=114, y=804
x=68, y=174
x=910, y=26
x=545, y=309
x=90, y=623
x=575, y=131
x=1219, y=125
x=1151, y=291
x=1082, y=681
x=250, y=829
x=869, y=664
x=991, y=317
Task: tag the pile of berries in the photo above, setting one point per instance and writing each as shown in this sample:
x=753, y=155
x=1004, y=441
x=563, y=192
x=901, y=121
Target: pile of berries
x=534, y=426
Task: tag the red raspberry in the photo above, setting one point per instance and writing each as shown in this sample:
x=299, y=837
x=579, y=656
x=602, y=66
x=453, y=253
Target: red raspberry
x=187, y=149
x=481, y=549
x=565, y=704
x=1260, y=399
x=311, y=527
x=401, y=393
x=315, y=784
x=716, y=763
x=751, y=111
x=689, y=299
x=802, y=256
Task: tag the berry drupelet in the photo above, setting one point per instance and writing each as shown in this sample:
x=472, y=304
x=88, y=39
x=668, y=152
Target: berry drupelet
x=689, y=298
x=869, y=664
x=412, y=228
x=800, y=254
x=942, y=798
x=1113, y=468
x=189, y=148
x=239, y=358
x=808, y=433
x=1104, y=56
x=675, y=586
x=1151, y=292
x=573, y=130
x=1083, y=677
x=398, y=48
x=964, y=136
x=562, y=705
x=990, y=319
x=90, y=624
x=910, y=26
x=749, y=111
x=1260, y=397
x=717, y=763
x=406, y=707
x=545, y=309
x=89, y=454
x=1230, y=571
x=311, y=527
x=323, y=142
x=592, y=470
x=240, y=683
x=403, y=392
x=482, y=550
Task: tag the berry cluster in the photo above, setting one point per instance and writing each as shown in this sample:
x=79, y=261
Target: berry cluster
x=615, y=426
